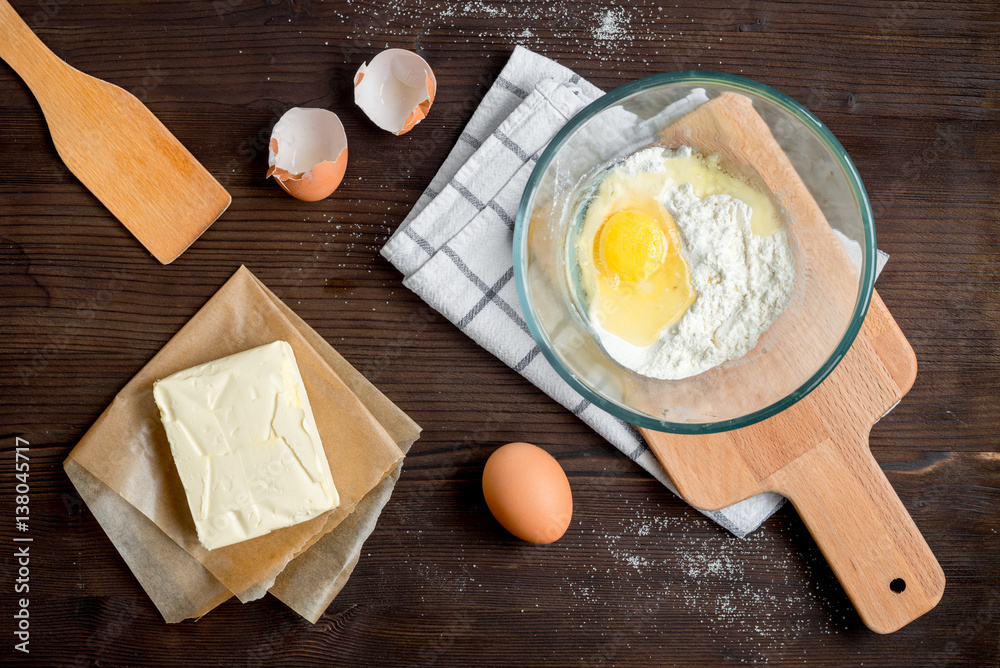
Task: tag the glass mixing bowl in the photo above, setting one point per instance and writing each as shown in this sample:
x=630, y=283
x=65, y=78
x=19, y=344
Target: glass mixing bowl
x=776, y=143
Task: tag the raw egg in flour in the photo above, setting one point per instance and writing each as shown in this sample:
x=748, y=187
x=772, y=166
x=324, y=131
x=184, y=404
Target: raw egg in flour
x=643, y=280
x=528, y=492
x=680, y=265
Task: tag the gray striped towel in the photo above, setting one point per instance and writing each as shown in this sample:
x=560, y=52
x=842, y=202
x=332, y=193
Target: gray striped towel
x=455, y=247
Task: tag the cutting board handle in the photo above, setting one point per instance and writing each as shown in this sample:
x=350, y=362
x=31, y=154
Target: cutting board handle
x=865, y=533
x=22, y=49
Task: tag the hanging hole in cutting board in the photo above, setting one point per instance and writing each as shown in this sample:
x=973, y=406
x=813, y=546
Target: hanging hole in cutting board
x=898, y=585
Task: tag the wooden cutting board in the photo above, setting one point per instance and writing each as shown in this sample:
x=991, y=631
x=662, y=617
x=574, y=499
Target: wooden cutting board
x=816, y=452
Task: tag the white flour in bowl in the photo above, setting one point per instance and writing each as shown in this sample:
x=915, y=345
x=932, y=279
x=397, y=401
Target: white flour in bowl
x=743, y=282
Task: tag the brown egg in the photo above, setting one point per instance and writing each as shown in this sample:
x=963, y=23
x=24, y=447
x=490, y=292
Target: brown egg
x=528, y=492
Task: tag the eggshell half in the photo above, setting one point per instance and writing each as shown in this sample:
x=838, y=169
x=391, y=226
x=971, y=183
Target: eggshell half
x=308, y=153
x=395, y=90
x=528, y=492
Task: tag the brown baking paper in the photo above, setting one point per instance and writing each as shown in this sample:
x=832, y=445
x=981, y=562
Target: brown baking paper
x=123, y=468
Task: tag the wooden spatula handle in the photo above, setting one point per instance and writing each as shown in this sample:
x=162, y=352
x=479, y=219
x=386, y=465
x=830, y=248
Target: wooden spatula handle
x=22, y=49
x=865, y=533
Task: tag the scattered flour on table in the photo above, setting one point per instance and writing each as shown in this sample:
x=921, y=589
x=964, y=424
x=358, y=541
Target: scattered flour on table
x=612, y=24
x=649, y=572
x=603, y=34
x=728, y=584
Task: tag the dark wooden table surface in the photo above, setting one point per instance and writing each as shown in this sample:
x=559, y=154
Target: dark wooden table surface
x=910, y=89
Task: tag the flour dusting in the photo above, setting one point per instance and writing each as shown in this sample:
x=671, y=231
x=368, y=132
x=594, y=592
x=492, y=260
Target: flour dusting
x=612, y=24
x=728, y=584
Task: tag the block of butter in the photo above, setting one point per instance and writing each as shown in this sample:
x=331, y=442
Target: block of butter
x=246, y=446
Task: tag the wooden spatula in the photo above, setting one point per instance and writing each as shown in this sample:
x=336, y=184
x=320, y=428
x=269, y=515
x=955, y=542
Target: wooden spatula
x=116, y=147
x=816, y=454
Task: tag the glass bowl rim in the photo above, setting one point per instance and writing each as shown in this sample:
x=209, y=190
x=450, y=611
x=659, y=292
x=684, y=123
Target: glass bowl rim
x=694, y=78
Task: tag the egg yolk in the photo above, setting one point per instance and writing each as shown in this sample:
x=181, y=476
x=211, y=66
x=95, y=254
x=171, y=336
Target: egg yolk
x=631, y=245
x=645, y=282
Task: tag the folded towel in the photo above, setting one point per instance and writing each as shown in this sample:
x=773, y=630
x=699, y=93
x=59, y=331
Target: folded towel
x=455, y=248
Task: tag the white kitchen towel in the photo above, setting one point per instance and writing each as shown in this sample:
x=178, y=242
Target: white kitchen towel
x=455, y=248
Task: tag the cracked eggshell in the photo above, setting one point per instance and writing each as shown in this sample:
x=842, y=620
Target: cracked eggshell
x=308, y=153
x=395, y=90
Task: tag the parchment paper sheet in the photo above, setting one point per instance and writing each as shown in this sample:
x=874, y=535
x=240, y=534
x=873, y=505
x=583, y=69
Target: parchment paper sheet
x=123, y=469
